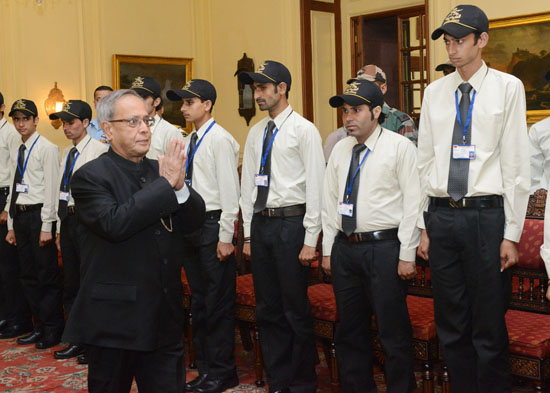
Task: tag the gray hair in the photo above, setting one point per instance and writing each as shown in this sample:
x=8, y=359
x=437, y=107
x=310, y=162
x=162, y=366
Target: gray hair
x=106, y=106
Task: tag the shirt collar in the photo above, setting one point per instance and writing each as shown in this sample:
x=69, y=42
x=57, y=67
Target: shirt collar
x=204, y=127
x=281, y=117
x=82, y=144
x=373, y=138
x=31, y=140
x=158, y=119
x=3, y=122
x=95, y=123
x=476, y=80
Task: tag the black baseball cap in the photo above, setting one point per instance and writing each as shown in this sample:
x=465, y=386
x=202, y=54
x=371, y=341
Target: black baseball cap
x=146, y=86
x=268, y=72
x=463, y=20
x=359, y=92
x=73, y=109
x=195, y=88
x=25, y=106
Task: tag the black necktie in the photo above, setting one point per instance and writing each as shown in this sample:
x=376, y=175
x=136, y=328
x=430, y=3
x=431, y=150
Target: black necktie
x=17, y=179
x=261, y=197
x=457, y=185
x=350, y=223
x=192, y=145
x=65, y=187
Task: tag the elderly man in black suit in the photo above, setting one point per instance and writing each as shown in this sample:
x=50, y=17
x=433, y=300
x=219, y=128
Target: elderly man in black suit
x=134, y=212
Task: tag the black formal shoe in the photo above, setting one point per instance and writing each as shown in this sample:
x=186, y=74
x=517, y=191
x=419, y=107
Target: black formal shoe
x=70, y=352
x=217, y=385
x=48, y=341
x=3, y=324
x=32, y=338
x=195, y=383
x=15, y=331
x=82, y=359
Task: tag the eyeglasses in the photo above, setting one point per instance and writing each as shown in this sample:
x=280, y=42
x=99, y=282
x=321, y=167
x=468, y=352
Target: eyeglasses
x=136, y=121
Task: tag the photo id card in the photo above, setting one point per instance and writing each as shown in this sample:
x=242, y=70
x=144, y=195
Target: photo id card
x=261, y=180
x=464, y=152
x=22, y=188
x=64, y=196
x=345, y=209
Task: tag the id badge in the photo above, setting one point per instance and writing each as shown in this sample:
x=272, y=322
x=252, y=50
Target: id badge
x=64, y=196
x=345, y=209
x=261, y=180
x=464, y=152
x=22, y=188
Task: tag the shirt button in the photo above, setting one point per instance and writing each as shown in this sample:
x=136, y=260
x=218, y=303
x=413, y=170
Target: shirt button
x=143, y=180
x=157, y=232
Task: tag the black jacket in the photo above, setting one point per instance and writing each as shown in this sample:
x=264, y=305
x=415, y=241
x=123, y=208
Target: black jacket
x=131, y=294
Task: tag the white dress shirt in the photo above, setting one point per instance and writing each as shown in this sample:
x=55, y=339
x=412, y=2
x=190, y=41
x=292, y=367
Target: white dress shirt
x=539, y=143
x=215, y=176
x=499, y=133
x=162, y=133
x=9, y=142
x=389, y=189
x=297, y=167
x=41, y=175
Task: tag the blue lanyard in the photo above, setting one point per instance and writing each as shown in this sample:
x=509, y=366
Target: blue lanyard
x=66, y=174
x=468, y=117
x=264, y=156
x=22, y=172
x=350, y=183
x=190, y=157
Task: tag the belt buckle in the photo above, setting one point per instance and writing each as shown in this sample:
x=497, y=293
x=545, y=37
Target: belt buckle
x=22, y=208
x=454, y=204
x=270, y=212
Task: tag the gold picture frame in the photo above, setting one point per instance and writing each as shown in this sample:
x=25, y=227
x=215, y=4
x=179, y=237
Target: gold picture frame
x=521, y=46
x=170, y=72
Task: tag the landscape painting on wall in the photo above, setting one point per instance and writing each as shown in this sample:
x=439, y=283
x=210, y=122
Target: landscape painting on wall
x=170, y=72
x=521, y=46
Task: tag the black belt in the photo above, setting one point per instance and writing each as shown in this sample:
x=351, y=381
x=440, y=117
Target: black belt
x=213, y=215
x=71, y=209
x=479, y=202
x=361, y=237
x=28, y=208
x=289, y=211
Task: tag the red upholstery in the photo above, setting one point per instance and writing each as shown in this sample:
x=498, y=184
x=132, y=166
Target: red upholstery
x=245, y=291
x=529, y=244
x=421, y=312
x=185, y=282
x=529, y=333
x=323, y=302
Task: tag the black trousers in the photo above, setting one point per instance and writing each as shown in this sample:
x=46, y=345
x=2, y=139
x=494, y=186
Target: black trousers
x=39, y=272
x=70, y=252
x=283, y=313
x=213, y=287
x=112, y=370
x=470, y=296
x=14, y=306
x=365, y=281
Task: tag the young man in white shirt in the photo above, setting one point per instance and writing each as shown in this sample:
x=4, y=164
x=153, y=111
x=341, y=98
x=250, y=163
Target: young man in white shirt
x=370, y=199
x=76, y=115
x=32, y=224
x=209, y=262
x=282, y=177
x=539, y=144
x=15, y=317
x=473, y=159
x=162, y=132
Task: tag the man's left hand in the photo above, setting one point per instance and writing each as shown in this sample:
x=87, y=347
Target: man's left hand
x=406, y=270
x=172, y=164
x=307, y=255
x=45, y=238
x=509, y=254
x=224, y=250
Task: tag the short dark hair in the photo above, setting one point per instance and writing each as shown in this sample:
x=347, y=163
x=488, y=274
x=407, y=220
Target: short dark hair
x=208, y=99
x=477, y=36
x=381, y=117
x=160, y=105
x=277, y=84
x=103, y=88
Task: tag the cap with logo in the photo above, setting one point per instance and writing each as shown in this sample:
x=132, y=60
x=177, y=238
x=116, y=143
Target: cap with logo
x=359, y=92
x=268, y=72
x=73, y=109
x=195, y=88
x=463, y=20
x=24, y=106
x=146, y=86
x=370, y=73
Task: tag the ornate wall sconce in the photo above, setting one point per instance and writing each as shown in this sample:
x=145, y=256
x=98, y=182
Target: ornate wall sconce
x=54, y=103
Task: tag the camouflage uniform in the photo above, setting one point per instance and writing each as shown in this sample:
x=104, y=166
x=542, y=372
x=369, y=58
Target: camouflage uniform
x=400, y=122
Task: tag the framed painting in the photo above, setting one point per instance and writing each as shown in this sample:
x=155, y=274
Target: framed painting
x=521, y=46
x=170, y=72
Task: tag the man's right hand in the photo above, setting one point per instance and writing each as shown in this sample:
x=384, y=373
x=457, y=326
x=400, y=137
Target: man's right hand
x=246, y=250
x=422, y=250
x=172, y=163
x=3, y=217
x=10, y=237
